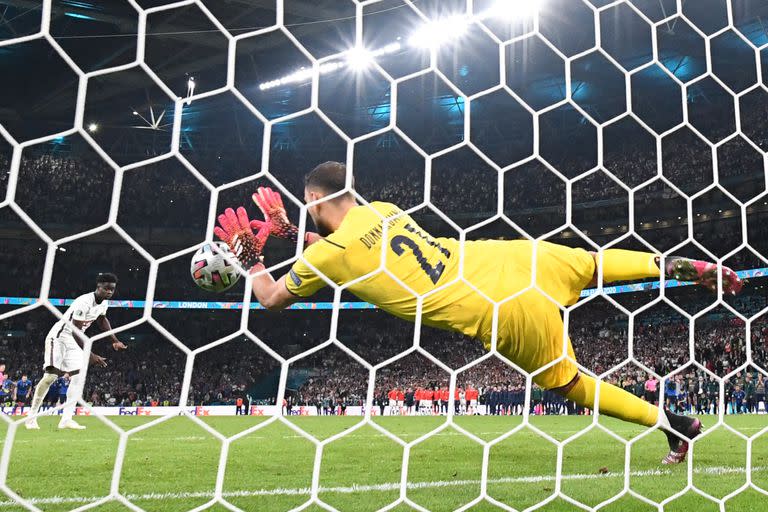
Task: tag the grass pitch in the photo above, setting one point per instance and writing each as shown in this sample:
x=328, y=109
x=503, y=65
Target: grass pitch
x=172, y=466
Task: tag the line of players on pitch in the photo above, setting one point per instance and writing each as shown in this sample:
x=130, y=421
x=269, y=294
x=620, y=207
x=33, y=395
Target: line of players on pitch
x=684, y=395
x=493, y=401
x=17, y=394
x=429, y=401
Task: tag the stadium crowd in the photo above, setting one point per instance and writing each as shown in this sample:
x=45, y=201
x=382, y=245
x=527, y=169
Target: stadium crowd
x=163, y=195
x=151, y=371
x=660, y=344
x=166, y=192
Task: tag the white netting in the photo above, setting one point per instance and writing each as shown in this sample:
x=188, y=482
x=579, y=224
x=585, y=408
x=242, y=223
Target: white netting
x=478, y=18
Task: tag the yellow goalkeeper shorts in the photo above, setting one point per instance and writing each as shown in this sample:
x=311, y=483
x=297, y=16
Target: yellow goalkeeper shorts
x=531, y=331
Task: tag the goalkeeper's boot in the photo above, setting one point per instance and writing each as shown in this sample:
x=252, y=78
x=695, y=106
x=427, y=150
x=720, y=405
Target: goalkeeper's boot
x=703, y=273
x=31, y=424
x=678, y=447
x=70, y=424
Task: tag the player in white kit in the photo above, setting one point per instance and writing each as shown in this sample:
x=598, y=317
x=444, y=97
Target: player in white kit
x=64, y=349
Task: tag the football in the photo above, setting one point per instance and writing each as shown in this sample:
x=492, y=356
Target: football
x=211, y=271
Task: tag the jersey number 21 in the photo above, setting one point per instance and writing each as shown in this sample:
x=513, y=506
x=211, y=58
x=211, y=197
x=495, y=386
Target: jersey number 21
x=400, y=242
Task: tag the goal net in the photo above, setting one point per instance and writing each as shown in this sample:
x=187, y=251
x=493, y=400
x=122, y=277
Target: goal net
x=599, y=124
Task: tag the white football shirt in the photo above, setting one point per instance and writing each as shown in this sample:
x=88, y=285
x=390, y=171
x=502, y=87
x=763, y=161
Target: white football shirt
x=84, y=309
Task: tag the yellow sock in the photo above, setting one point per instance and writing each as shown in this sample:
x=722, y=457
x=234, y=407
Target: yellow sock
x=614, y=401
x=621, y=265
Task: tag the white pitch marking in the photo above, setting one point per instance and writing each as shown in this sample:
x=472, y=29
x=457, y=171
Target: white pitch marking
x=393, y=486
x=355, y=435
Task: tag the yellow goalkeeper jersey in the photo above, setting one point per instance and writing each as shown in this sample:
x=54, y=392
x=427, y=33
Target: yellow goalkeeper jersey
x=431, y=267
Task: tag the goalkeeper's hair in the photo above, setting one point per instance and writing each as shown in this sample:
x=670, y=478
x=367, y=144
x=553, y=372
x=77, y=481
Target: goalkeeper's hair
x=106, y=277
x=329, y=177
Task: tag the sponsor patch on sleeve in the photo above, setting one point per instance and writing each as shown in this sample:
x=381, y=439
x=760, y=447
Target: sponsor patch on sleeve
x=295, y=278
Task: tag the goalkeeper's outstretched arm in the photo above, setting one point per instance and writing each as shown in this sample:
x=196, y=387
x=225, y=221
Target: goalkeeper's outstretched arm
x=271, y=205
x=271, y=294
x=235, y=229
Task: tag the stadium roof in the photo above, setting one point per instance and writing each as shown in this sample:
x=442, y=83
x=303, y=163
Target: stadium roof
x=183, y=43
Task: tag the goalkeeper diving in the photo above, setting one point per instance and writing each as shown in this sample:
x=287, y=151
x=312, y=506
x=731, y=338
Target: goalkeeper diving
x=348, y=245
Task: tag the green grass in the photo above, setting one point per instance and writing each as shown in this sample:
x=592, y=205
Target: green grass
x=172, y=466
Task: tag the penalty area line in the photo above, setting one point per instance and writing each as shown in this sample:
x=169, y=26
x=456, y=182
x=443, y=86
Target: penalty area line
x=385, y=487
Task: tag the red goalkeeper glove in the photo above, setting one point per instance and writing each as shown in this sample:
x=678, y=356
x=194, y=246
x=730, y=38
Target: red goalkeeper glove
x=235, y=230
x=271, y=205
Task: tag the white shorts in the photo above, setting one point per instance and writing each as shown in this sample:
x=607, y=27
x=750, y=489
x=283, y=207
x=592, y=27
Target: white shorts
x=63, y=354
x=473, y=403
x=400, y=403
x=392, y=403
